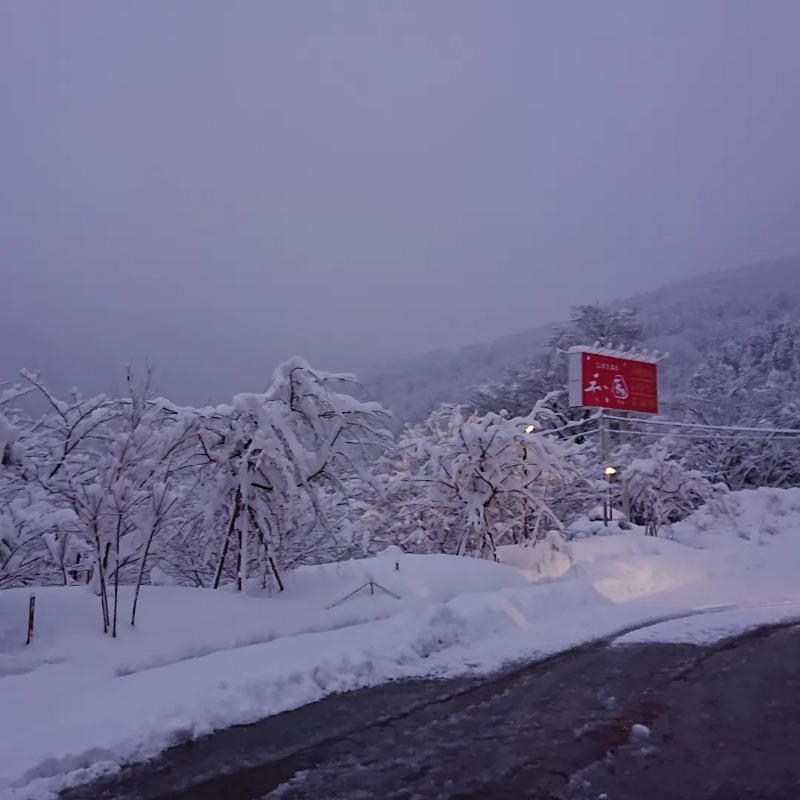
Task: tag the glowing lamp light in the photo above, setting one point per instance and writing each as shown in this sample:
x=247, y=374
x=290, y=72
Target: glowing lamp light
x=610, y=472
x=530, y=429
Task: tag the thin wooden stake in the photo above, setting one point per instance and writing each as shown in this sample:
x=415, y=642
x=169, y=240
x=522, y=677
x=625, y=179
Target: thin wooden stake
x=31, y=612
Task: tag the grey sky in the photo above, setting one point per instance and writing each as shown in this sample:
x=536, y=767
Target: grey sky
x=220, y=185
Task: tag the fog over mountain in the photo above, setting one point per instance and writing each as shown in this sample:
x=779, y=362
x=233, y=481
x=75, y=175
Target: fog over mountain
x=214, y=188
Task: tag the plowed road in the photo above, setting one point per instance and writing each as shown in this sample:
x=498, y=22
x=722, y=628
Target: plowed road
x=719, y=723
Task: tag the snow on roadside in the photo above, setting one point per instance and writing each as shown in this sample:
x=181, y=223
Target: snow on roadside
x=747, y=546
x=175, y=624
x=717, y=624
x=78, y=735
x=199, y=660
x=76, y=704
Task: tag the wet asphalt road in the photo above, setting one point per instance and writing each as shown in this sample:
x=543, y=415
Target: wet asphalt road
x=724, y=724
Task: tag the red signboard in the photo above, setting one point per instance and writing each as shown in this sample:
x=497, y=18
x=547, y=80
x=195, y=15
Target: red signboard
x=620, y=384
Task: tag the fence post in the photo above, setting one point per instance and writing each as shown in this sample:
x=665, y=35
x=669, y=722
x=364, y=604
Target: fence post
x=31, y=611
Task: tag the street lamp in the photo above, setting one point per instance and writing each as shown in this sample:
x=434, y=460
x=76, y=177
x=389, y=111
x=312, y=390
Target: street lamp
x=610, y=472
x=530, y=429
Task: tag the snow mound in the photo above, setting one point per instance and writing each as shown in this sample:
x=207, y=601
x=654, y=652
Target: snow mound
x=751, y=516
x=584, y=527
x=601, y=514
x=430, y=578
x=178, y=623
x=550, y=558
x=629, y=566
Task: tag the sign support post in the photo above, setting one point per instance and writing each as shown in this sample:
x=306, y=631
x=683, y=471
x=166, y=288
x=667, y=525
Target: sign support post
x=605, y=434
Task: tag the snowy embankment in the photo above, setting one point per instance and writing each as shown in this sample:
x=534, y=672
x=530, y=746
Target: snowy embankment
x=75, y=704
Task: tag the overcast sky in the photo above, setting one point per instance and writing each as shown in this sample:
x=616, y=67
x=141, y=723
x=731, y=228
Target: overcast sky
x=219, y=185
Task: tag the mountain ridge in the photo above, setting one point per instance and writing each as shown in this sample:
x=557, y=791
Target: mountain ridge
x=685, y=317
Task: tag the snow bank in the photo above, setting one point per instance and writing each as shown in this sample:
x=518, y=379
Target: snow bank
x=134, y=716
x=628, y=566
x=75, y=703
x=717, y=624
x=601, y=514
x=173, y=624
x=550, y=558
x=753, y=516
x=431, y=578
x=746, y=548
x=78, y=704
x=178, y=623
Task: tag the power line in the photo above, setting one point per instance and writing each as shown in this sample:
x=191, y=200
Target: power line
x=578, y=435
x=696, y=426
x=705, y=438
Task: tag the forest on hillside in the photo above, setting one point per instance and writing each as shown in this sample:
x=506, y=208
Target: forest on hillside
x=687, y=319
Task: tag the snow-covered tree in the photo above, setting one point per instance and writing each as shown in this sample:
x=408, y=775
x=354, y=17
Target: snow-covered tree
x=593, y=325
x=29, y=522
x=465, y=484
x=546, y=374
x=118, y=466
x=280, y=469
x=662, y=490
x=751, y=383
x=31, y=550
x=108, y=490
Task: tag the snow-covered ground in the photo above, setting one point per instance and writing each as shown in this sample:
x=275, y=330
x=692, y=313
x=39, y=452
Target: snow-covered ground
x=75, y=704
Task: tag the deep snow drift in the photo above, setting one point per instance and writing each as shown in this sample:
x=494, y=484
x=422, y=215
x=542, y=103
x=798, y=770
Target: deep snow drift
x=76, y=703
